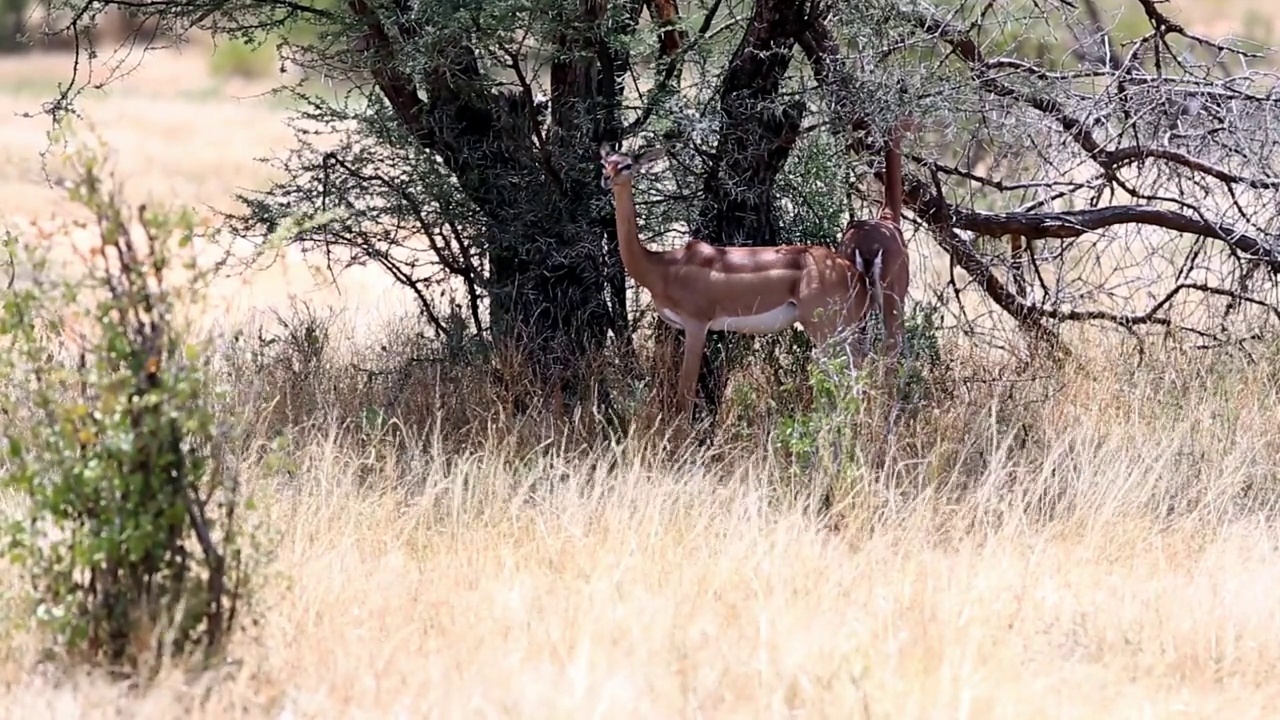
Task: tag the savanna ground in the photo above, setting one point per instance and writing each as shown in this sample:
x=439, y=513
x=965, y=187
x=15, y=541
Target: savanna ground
x=1094, y=541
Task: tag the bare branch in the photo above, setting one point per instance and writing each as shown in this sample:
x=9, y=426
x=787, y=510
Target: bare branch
x=663, y=89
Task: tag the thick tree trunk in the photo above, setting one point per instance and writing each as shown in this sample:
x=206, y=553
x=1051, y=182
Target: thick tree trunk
x=552, y=282
x=550, y=302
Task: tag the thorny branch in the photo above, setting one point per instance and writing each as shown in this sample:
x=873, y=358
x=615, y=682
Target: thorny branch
x=1200, y=164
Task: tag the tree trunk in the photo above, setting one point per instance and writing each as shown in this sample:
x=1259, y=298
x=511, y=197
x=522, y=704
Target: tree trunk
x=755, y=142
x=552, y=283
x=550, y=300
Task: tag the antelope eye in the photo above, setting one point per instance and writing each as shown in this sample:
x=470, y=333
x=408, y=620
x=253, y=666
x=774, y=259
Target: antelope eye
x=624, y=166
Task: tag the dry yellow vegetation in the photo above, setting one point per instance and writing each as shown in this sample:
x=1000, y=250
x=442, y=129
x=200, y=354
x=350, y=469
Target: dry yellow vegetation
x=1100, y=543
x=175, y=135
x=1122, y=565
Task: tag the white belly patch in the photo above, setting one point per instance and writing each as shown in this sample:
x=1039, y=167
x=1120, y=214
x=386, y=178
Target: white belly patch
x=775, y=320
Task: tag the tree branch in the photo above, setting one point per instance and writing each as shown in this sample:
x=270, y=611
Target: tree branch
x=757, y=132
x=1074, y=223
x=967, y=49
x=930, y=204
x=674, y=53
x=394, y=84
x=666, y=15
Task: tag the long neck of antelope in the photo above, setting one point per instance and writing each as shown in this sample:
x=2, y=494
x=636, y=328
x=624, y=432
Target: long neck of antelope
x=893, y=176
x=636, y=258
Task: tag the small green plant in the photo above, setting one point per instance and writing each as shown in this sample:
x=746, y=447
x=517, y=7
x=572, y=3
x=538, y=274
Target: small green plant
x=924, y=362
x=837, y=404
x=133, y=536
x=833, y=430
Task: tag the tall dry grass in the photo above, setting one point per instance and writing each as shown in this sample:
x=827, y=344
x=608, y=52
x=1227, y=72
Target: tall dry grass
x=1094, y=542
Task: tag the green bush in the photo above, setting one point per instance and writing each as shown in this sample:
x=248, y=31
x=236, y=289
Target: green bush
x=845, y=422
x=133, y=534
x=240, y=58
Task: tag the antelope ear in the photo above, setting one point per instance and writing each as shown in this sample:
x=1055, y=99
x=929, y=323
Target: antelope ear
x=651, y=155
x=605, y=151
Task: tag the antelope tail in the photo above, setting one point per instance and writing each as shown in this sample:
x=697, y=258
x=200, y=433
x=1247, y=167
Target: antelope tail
x=877, y=282
x=873, y=271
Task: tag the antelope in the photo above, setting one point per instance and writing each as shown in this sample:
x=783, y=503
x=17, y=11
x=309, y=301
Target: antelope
x=702, y=287
x=877, y=250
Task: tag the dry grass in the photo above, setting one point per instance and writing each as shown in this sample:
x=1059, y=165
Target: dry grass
x=175, y=136
x=1117, y=561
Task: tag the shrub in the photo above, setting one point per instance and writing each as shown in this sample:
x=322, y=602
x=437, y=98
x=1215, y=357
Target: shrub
x=240, y=58
x=846, y=423
x=133, y=534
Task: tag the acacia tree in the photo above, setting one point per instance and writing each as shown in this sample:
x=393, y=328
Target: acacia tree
x=463, y=150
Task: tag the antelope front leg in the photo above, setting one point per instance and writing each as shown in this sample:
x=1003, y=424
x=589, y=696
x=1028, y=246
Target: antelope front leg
x=695, y=340
x=855, y=327
x=894, y=328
